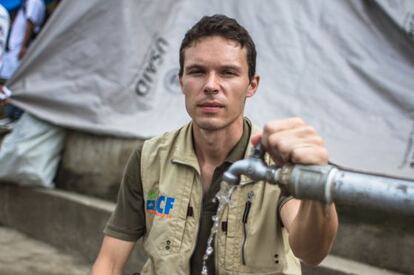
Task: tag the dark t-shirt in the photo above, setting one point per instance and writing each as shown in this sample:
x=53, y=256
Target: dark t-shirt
x=128, y=220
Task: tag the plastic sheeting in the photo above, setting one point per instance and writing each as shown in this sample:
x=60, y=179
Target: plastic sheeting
x=346, y=67
x=30, y=154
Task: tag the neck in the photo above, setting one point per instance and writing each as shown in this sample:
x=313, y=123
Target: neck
x=213, y=146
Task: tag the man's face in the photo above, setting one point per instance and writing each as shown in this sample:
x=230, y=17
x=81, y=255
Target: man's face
x=215, y=82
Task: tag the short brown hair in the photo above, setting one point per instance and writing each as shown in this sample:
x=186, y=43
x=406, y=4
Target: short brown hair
x=225, y=27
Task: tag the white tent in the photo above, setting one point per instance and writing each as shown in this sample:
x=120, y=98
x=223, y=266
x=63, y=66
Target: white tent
x=346, y=67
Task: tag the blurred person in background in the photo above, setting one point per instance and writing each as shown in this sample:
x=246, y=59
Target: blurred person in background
x=26, y=25
x=6, y=11
x=4, y=30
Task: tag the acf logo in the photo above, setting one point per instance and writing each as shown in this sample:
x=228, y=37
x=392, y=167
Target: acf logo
x=159, y=206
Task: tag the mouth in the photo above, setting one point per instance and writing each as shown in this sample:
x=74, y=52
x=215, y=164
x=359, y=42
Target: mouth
x=210, y=107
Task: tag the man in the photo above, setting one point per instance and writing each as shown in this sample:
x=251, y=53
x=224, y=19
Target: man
x=27, y=23
x=170, y=181
x=4, y=30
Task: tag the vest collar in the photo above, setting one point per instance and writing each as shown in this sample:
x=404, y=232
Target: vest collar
x=184, y=151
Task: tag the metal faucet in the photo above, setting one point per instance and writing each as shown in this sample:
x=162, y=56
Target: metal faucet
x=254, y=167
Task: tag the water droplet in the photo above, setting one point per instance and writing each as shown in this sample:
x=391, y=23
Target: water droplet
x=224, y=198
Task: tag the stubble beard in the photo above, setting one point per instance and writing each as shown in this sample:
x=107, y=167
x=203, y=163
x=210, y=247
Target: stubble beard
x=215, y=124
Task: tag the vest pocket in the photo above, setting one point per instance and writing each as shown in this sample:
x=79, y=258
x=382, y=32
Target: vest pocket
x=252, y=244
x=168, y=212
x=168, y=218
x=165, y=236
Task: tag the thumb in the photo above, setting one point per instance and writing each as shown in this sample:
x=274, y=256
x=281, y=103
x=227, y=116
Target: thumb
x=256, y=138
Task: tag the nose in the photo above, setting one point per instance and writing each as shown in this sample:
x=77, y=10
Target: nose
x=211, y=85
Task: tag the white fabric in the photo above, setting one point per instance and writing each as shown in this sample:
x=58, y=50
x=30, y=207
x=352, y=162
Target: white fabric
x=10, y=64
x=5, y=93
x=30, y=154
x=34, y=11
x=346, y=67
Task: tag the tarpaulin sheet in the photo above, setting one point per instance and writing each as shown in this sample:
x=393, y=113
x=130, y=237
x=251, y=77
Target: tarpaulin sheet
x=346, y=67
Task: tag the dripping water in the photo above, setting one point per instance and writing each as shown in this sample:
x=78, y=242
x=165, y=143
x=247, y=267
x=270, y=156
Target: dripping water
x=223, y=197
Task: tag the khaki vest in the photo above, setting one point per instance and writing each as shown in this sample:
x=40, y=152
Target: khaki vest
x=170, y=176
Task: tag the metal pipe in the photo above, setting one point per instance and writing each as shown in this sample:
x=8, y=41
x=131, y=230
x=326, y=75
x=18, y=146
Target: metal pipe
x=329, y=184
x=392, y=195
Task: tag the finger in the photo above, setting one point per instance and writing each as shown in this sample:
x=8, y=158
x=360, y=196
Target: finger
x=310, y=155
x=282, y=125
x=303, y=132
x=287, y=139
x=256, y=138
x=282, y=147
x=279, y=126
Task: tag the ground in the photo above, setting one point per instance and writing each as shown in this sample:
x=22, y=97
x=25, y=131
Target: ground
x=20, y=254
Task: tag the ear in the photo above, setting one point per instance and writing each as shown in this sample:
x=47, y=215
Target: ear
x=180, y=79
x=253, y=85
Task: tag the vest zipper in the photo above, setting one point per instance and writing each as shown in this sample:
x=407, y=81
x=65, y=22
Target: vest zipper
x=200, y=206
x=244, y=221
x=200, y=209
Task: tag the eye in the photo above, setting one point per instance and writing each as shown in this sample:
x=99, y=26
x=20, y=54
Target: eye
x=195, y=71
x=229, y=73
